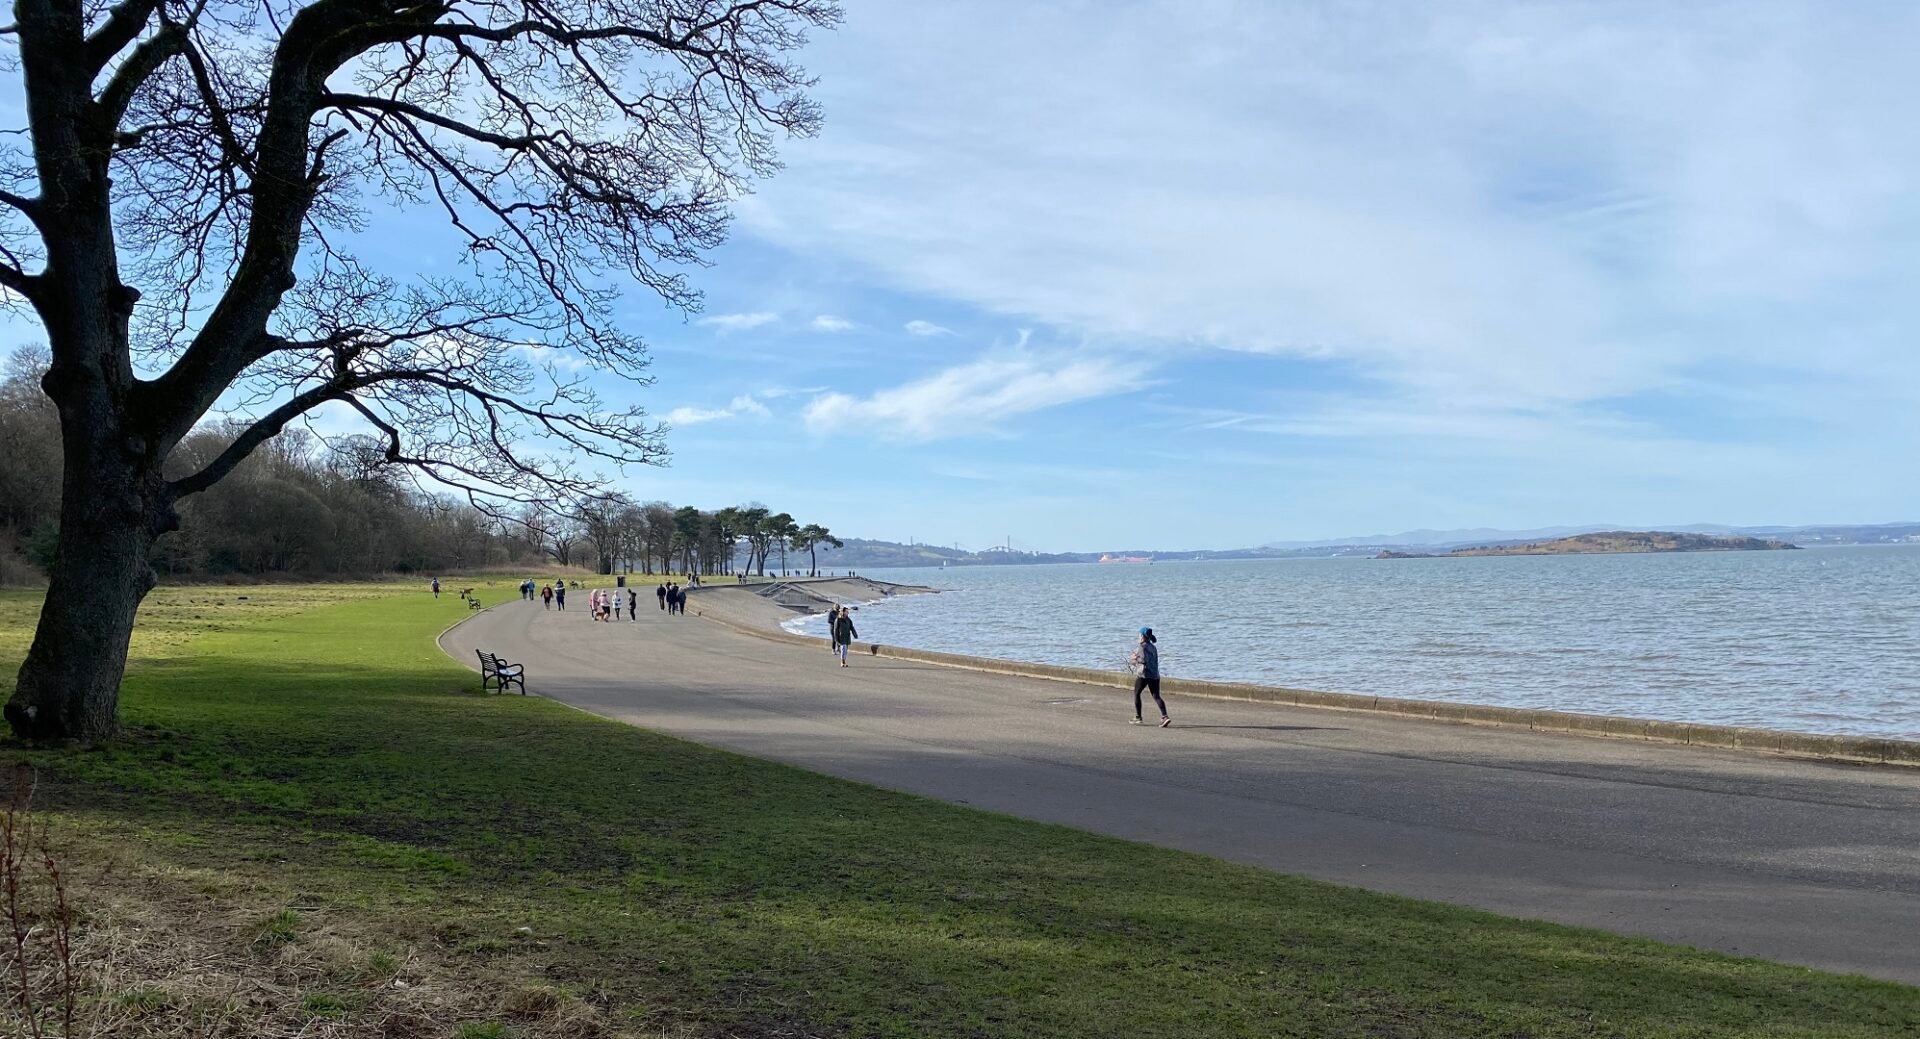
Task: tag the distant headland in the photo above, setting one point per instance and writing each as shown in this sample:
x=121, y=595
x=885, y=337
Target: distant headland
x=1610, y=542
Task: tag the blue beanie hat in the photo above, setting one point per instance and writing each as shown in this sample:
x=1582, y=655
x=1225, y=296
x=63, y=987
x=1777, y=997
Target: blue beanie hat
x=1146, y=631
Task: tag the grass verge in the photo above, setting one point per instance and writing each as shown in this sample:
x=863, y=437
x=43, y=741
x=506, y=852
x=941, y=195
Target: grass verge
x=314, y=826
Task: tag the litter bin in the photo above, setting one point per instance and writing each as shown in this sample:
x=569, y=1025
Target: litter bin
x=620, y=581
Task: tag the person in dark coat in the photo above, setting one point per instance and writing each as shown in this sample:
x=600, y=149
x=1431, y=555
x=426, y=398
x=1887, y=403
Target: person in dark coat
x=843, y=635
x=660, y=593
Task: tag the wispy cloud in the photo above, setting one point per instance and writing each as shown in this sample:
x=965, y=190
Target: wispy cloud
x=738, y=322
x=829, y=323
x=694, y=416
x=1573, y=209
x=550, y=357
x=971, y=398
x=745, y=404
x=917, y=327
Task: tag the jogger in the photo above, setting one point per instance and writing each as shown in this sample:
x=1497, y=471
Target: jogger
x=1145, y=665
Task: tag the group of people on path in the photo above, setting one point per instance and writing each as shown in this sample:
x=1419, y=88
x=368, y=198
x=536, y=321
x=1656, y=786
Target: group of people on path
x=606, y=604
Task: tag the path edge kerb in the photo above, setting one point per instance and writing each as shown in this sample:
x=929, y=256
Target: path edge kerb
x=1855, y=749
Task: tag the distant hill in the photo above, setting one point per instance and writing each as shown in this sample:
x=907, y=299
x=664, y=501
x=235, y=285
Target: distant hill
x=1428, y=542
x=1614, y=542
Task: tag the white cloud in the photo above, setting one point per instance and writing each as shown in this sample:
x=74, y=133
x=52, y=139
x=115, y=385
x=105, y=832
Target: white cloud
x=777, y=392
x=829, y=323
x=738, y=322
x=695, y=416
x=1483, y=203
x=918, y=327
x=971, y=398
x=745, y=404
x=551, y=357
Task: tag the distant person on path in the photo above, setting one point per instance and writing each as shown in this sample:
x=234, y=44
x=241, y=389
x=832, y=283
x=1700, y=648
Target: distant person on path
x=560, y=596
x=546, y=596
x=843, y=635
x=1145, y=665
x=633, y=605
x=833, y=618
x=616, y=605
x=436, y=588
x=676, y=598
x=660, y=593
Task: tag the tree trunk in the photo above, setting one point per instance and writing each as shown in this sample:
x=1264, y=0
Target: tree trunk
x=70, y=683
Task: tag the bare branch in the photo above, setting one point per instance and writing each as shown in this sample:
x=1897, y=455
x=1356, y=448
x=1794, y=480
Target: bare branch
x=266, y=428
x=123, y=25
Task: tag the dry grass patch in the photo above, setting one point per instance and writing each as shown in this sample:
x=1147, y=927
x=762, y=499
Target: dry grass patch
x=157, y=951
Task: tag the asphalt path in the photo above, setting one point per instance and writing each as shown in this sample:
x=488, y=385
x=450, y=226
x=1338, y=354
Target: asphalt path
x=1805, y=862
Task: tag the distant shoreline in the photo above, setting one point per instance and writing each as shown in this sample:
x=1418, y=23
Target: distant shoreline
x=1613, y=542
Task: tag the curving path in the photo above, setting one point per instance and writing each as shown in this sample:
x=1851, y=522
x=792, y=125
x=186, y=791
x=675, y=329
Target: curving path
x=1805, y=862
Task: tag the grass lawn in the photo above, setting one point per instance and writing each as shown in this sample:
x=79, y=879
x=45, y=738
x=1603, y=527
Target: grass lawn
x=314, y=826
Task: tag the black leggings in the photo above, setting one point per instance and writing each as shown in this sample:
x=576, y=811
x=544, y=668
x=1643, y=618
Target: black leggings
x=1151, y=685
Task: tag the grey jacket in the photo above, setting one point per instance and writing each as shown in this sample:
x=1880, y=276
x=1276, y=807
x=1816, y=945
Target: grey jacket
x=1146, y=660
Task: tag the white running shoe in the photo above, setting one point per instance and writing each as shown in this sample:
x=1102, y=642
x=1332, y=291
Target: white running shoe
x=1165, y=721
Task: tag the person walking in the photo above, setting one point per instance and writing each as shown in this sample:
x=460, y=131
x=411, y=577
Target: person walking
x=676, y=599
x=1144, y=662
x=633, y=605
x=436, y=588
x=617, y=597
x=833, y=618
x=560, y=596
x=660, y=593
x=546, y=596
x=843, y=635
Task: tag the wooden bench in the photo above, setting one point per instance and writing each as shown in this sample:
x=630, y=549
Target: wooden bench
x=500, y=673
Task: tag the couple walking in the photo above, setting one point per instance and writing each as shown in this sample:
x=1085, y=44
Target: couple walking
x=840, y=632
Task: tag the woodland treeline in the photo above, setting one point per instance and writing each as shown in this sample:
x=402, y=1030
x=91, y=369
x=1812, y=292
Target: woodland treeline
x=299, y=505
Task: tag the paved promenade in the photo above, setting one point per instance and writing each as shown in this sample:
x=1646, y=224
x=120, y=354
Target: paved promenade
x=1805, y=862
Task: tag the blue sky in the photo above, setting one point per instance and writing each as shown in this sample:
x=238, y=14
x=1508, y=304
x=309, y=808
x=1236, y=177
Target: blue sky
x=1207, y=274
x=1211, y=274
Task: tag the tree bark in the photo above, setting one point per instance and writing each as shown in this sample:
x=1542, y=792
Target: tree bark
x=69, y=686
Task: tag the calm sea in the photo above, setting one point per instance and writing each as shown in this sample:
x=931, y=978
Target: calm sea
x=1820, y=640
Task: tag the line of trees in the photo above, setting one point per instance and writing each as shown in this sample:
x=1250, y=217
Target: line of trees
x=655, y=537
x=299, y=504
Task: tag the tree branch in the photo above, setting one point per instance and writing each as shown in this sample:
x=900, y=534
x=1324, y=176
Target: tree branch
x=264, y=429
x=123, y=24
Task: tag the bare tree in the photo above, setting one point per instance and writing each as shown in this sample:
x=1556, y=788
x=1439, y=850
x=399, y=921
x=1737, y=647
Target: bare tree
x=178, y=211
x=564, y=534
x=600, y=524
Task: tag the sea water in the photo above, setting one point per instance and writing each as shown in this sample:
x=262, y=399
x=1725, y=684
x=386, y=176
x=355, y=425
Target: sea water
x=1818, y=640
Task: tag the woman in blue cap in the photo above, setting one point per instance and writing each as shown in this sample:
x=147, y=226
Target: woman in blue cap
x=1145, y=665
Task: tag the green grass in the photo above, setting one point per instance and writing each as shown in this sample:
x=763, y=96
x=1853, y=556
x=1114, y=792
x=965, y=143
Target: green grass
x=312, y=745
